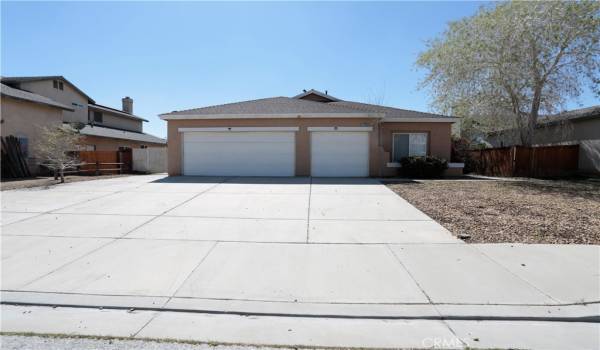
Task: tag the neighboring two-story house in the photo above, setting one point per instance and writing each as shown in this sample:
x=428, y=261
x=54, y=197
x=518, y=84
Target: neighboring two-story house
x=29, y=103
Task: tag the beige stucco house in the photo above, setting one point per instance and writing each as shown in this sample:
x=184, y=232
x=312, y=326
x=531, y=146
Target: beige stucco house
x=29, y=103
x=312, y=134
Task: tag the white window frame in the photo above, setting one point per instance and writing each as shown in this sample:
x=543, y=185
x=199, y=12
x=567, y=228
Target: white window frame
x=409, y=151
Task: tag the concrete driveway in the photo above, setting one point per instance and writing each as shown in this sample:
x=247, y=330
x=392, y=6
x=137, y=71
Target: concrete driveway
x=279, y=249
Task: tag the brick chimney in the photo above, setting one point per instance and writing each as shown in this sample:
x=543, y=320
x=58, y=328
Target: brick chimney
x=127, y=104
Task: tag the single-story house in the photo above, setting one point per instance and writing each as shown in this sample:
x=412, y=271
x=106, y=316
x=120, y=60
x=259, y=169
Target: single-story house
x=311, y=134
x=578, y=126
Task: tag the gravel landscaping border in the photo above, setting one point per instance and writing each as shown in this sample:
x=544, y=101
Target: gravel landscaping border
x=510, y=211
x=46, y=181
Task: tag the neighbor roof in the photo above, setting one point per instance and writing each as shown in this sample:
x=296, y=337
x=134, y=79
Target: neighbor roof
x=115, y=111
x=31, y=97
x=289, y=107
x=101, y=131
x=575, y=114
x=11, y=80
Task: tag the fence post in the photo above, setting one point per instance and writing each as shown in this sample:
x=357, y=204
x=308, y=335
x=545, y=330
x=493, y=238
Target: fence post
x=97, y=168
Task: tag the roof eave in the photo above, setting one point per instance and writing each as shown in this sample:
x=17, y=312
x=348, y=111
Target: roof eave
x=55, y=105
x=168, y=116
x=117, y=112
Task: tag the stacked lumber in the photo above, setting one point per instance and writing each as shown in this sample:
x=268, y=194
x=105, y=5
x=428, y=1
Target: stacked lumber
x=14, y=163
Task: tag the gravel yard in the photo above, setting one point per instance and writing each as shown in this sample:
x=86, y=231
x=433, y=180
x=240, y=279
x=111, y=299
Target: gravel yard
x=523, y=211
x=46, y=181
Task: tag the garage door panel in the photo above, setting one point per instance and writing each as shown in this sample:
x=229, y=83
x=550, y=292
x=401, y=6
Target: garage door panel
x=344, y=154
x=239, y=153
x=228, y=137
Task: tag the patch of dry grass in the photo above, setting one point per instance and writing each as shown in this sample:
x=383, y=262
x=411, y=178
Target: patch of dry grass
x=528, y=211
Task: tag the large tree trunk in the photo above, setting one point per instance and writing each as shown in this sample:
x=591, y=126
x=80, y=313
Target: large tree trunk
x=533, y=117
x=62, y=175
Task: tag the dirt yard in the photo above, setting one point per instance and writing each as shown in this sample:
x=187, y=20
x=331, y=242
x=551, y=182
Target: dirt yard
x=43, y=181
x=527, y=211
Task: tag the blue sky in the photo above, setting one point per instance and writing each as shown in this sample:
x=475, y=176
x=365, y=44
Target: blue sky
x=169, y=56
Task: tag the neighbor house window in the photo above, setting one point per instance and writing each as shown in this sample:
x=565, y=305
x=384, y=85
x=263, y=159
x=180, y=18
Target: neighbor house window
x=57, y=84
x=97, y=117
x=409, y=145
x=24, y=145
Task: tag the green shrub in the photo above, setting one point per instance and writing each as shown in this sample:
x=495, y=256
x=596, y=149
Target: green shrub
x=423, y=167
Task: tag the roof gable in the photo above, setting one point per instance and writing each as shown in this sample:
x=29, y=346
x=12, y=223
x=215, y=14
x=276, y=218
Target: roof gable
x=316, y=96
x=31, y=97
x=13, y=80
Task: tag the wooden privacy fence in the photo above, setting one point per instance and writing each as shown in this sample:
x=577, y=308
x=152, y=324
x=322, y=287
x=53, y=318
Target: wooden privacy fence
x=542, y=161
x=104, y=162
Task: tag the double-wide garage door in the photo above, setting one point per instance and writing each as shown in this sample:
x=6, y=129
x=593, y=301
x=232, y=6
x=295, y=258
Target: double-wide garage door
x=273, y=153
x=239, y=153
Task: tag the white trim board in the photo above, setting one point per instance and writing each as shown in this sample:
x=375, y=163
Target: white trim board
x=340, y=128
x=241, y=129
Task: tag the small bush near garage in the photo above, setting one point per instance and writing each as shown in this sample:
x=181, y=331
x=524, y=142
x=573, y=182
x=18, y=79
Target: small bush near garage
x=423, y=167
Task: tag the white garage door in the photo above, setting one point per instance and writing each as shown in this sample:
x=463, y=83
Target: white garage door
x=239, y=153
x=339, y=153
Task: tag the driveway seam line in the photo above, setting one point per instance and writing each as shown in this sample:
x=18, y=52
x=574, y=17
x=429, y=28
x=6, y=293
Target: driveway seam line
x=176, y=290
x=113, y=240
x=514, y=274
x=308, y=215
x=61, y=208
x=168, y=210
x=433, y=305
x=231, y=240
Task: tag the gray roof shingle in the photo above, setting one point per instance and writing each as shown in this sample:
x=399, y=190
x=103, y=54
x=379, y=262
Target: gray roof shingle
x=298, y=105
x=115, y=111
x=31, y=97
x=120, y=134
x=390, y=112
x=272, y=105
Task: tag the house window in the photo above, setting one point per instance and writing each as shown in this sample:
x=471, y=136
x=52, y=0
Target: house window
x=97, y=117
x=409, y=145
x=57, y=84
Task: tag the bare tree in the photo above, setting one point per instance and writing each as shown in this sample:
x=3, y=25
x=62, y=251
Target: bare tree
x=513, y=61
x=56, y=146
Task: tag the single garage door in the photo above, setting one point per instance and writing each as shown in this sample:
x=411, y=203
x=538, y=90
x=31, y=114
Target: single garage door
x=239, y=153
x=339, y=153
